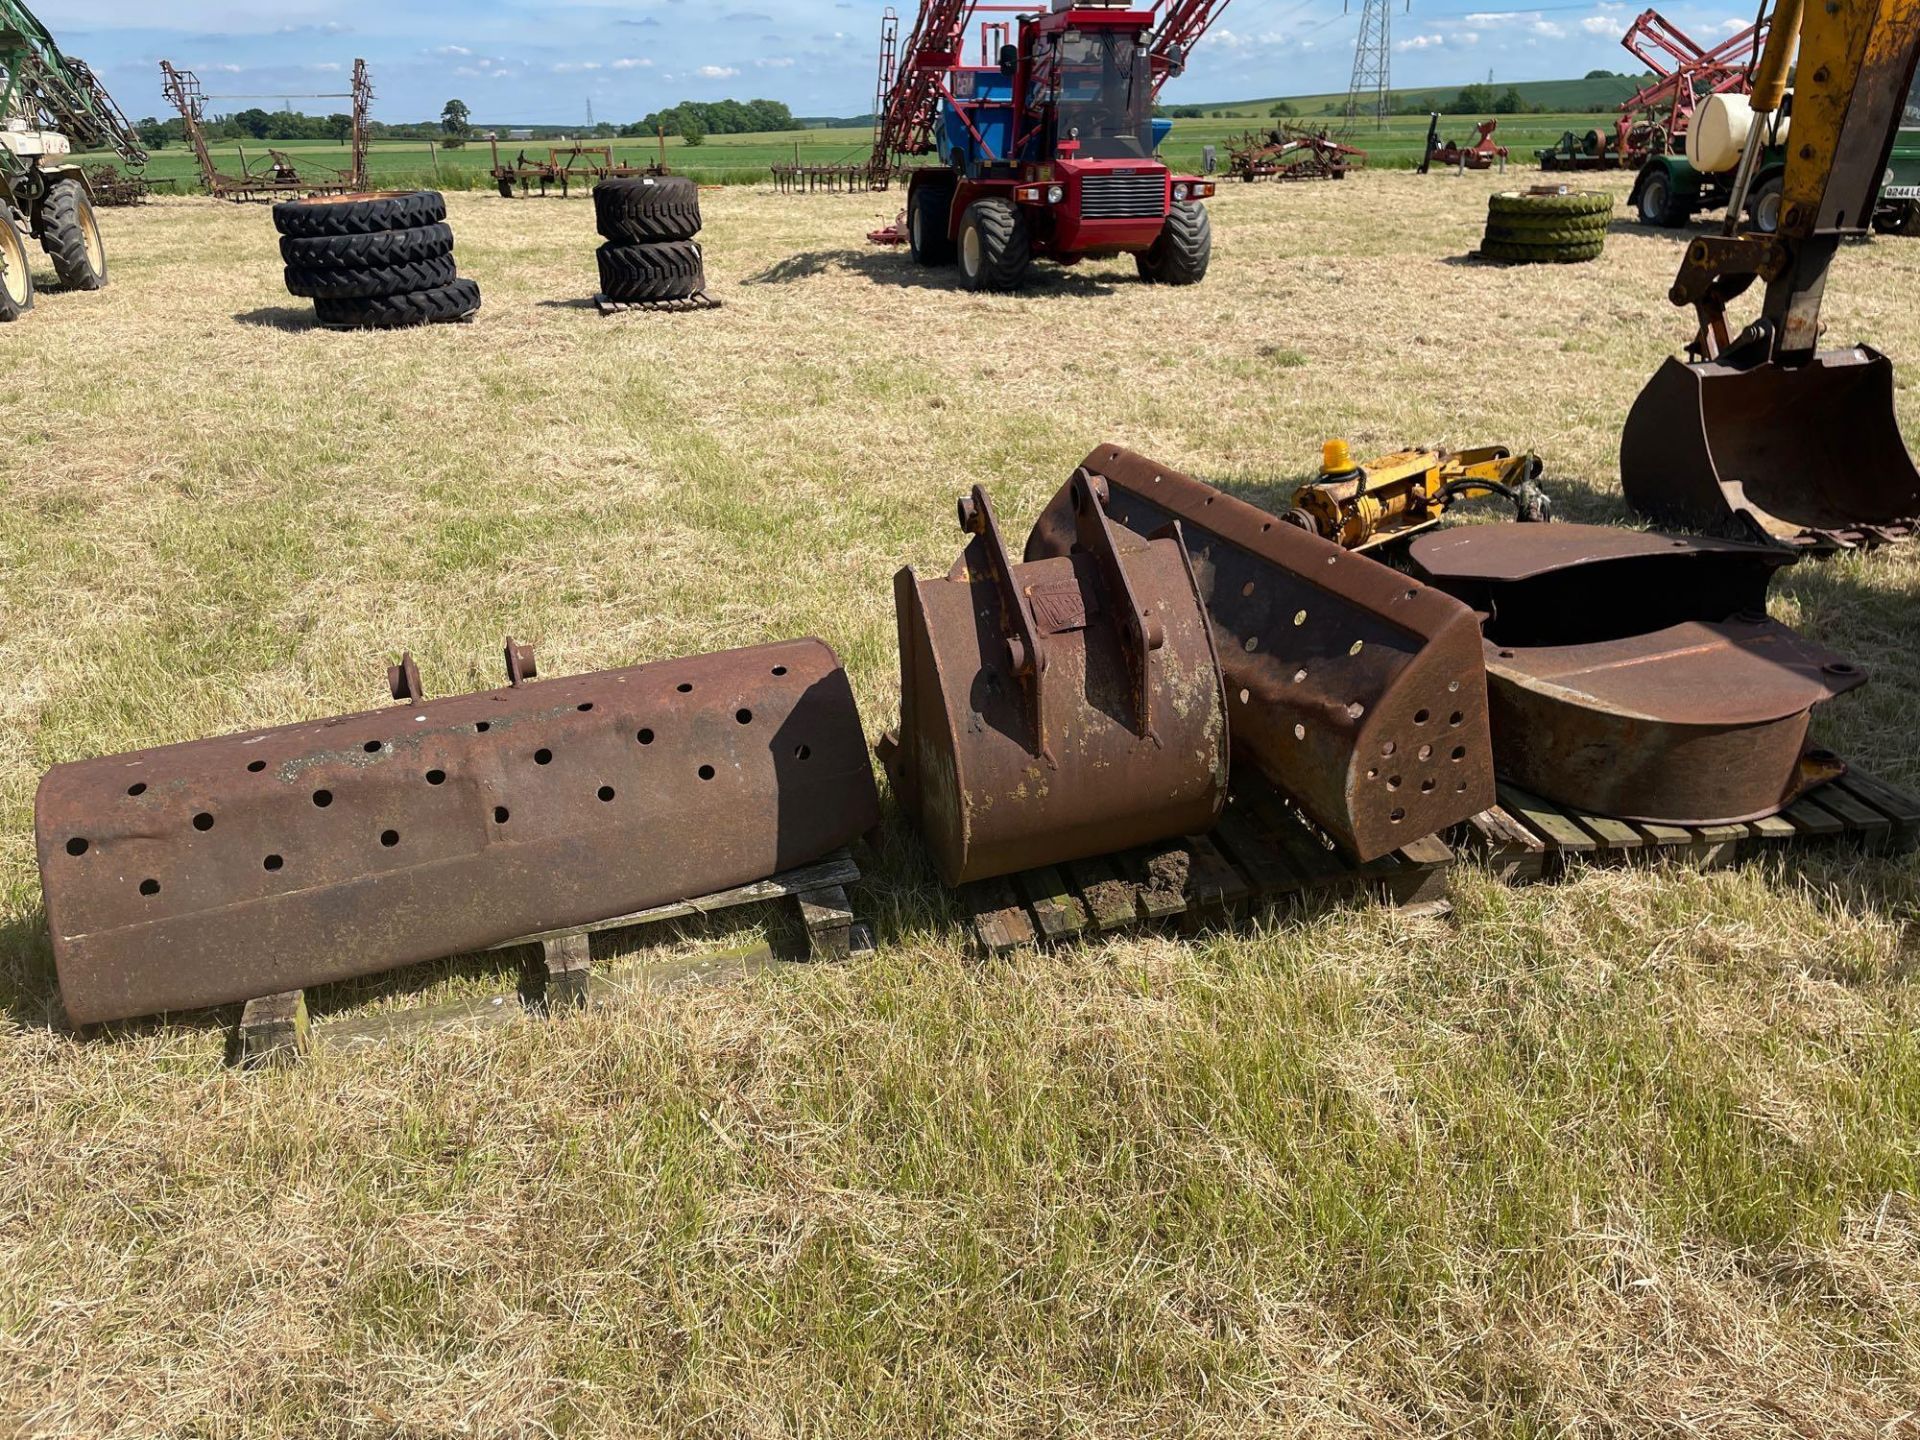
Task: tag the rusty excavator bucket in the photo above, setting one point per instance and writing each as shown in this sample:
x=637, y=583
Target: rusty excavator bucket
x=1058, y=709
x=1763, y=435
x=226, y=869
x=1359, y=693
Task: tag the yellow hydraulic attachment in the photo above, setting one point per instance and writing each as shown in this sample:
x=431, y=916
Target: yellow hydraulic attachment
x=1361, y=506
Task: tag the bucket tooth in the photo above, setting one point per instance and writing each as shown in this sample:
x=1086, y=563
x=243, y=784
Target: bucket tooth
x=1358, y=692
x=1808, y=456
x=1637, y=675
x=225, y=869
x=1056, y=709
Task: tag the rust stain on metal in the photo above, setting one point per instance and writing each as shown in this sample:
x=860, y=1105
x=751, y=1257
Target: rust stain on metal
x=1055, y=709
x=224, y=869
x=1638, y=675
x=1360, y=693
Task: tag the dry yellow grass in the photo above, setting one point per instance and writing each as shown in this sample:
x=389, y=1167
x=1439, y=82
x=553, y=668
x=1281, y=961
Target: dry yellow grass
x=1632, y=1154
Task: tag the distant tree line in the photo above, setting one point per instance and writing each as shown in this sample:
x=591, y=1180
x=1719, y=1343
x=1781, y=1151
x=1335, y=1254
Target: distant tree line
x=694, y=120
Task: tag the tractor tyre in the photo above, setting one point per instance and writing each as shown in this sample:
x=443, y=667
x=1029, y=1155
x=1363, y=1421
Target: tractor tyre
x=1513, y=205
x=391, y=312
x=362, y=214
x=672, y=271
x=1502, y=233
x=994, y=247
x=929, y=216
x=1183, y=249
x=1910, y=222
x=377, y=251
x=646, y=209
x=1656, y=204
x=372, y=284
x=16, y=275
x=1763, y=206
x=70, y=234
x=1539, y=254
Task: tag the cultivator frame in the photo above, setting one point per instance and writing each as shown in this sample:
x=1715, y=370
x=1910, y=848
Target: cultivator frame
x=279, y=178
x=1288, y=154
x=562, y=167
x=252, y=864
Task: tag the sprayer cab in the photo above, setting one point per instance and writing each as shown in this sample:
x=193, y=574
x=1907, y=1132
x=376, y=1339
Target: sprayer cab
x=1051, y=150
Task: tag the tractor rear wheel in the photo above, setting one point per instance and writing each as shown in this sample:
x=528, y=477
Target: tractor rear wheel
x=1656, y=204
x=71, y=235
x=16, y=279
x=1181, y=253
x=1910, y=223
x=929, y=214
x=994, y=247
x=1763, y=209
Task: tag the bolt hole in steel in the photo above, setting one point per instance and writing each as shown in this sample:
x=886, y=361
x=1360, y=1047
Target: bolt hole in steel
x=543, y=757
x=645, y=737
x=1299, y=617
x=605, y=792
x=500, y=814
x=137, y=788
x=1455, y=718
x=1459, y=754
x=1253, y=643
x=1420, y=717
x=745, y=717
x=203, y=821
x=372, y=747
x=1247, y=589
x=436, y=777
x=1245, y=695
x=1299, y=732
x=1426, y=752
x=706, y=772
x=481, y=727
x=1426, y=787
x=149, y=887
x=1393, y=782
x=389, y=838
x=1356, y=710
x=1388, y=748
x=779, y=670
x=272, y=862
x=1356, y=647
x=584, y=706
x=257, y=766
x=803, y=752
x=76, y=846
x=1396, y=815
x=323, y=798
x=685, y=687
x=1299, y=675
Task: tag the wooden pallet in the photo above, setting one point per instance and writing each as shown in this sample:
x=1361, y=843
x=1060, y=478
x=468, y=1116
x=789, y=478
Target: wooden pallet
x=1526, y=838
x=275, y=1029
x=702, y=301
x=1261, y=853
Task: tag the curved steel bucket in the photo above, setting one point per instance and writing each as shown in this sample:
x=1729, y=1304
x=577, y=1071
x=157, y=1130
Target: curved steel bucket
x=1809, y=455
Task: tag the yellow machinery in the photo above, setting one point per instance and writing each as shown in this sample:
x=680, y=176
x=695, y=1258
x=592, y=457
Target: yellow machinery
x=1763, y=434
x=1361, y=506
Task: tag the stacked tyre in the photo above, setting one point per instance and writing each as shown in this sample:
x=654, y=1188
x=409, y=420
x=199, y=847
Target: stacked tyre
x=1560, y=227
x=648, y=223
x=374, y=261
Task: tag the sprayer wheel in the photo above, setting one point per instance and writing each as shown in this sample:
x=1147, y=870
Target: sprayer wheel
x=70, y=235
x=1181, y=252
x=373, y=283
x=646, y=209
x=391, y=312
x=359, y=214
x=368, y=252
x=1515, y=204
x=16, y=276
x=995, y=249
x=670, y=271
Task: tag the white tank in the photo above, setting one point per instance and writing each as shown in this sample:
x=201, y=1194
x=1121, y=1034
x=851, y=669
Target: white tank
x=1719, y=132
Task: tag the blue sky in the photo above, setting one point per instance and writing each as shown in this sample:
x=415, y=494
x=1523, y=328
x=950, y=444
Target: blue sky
x=543, y=64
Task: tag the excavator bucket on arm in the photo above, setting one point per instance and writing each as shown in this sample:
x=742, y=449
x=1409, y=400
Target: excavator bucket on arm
x=1763, y=435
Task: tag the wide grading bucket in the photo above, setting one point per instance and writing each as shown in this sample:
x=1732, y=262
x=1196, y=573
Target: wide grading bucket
x=1809, y=455
x=225, y=869
x=1058, y=709
x=1358, y=692
x=1637, y=675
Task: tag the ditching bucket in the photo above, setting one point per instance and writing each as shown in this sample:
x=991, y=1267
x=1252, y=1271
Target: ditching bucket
x=226, y=869
x=1807, y=455
x=1358, y=692
x=1057, y=709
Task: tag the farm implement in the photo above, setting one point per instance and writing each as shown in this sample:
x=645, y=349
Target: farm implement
x=1047, y=146
x=276, y=177
x=1483, y=154
x=564, y=166
x=1285, y=154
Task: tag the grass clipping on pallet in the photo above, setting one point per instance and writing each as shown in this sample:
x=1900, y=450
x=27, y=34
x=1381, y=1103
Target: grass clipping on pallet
x=1631, y=1154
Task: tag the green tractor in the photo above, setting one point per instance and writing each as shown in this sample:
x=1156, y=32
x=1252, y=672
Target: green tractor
x=48, y=104
x=1898, y=212
x=1672, y=188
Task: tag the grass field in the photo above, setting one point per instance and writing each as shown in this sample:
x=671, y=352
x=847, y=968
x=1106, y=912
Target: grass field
x=744, y=159
x=1630, y=1154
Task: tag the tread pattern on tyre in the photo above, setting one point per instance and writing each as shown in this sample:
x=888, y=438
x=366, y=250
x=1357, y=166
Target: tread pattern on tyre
x=374, y=283
x=938, y=248
x=1540, y=254
x=449, y=302
x=646, y=209
x=8, y=309
x=359, y=214
x=669, y=271
x=1183, y=250
x=1514, y=203
x=367, y=252
x=65, y=241
x=1005, y=249
x=1502, y=233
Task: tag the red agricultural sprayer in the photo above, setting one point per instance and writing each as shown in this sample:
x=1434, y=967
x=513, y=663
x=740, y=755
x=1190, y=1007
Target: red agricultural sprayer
x=1047, y=145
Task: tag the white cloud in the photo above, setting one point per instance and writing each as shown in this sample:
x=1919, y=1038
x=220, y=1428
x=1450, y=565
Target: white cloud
x=1422, y=42
x=453, y=50
x=1733, y=26
x=780, y=62
x=627, y=63
x=1547, y=30
x=574, y=67
x=1600, y=25
x=716, y=72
